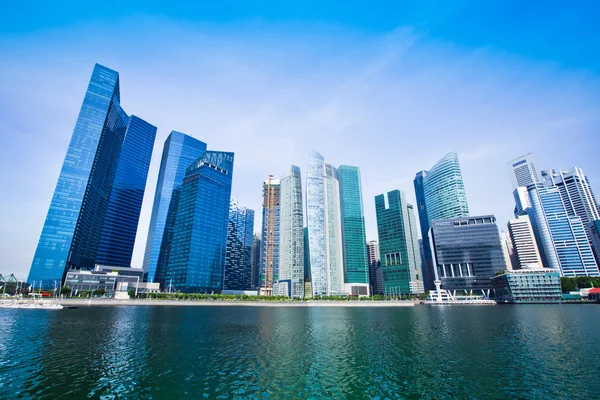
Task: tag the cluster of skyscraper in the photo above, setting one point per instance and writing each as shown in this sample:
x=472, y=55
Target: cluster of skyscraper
x=198, y=239
x=201, y=240
x=556, y=219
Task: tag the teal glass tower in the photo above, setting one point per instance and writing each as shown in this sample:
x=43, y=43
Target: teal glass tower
x=398, y=244
x=197, y=255
x=440, y=194
x=96, y=162
x=356, y=263
x=179, y=152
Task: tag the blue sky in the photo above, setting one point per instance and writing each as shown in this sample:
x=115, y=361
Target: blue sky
x=388, y=86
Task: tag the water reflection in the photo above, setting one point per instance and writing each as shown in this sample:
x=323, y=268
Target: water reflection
x=247, y=352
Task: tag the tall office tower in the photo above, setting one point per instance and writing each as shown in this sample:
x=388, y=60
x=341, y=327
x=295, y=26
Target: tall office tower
x=375, y=274
x=238, y=257
x=290, y=281
x=523, y=171
x=522, y=201
x=306, y=257
x=398, y=244
x=324, y=227
x=563, y=238
x=594, y=230
x=510, y=256
x=179, y=152
x=373, y=251
x=440, y=194
x=576, y=193
x=467, y=252
x=78, y=211
x=198, y=247
x=255, y=261
x=526, y=253
x=269, y=258
x=353, y=226
x=125, y=202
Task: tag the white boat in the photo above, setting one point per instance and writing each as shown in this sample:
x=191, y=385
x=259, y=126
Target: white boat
x=440, y=297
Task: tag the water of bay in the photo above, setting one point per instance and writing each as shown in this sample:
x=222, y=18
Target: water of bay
x=526, y=351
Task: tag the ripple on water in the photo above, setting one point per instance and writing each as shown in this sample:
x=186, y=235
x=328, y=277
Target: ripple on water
x=237, y=352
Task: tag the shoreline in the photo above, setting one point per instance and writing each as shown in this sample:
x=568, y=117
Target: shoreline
x=205, y=303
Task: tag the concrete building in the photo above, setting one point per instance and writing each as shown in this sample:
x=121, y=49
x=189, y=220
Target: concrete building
x=530, y=285
x=373, y=251
x=526, y=252
x=269, y=268
x=524, y=171
x=467, y=253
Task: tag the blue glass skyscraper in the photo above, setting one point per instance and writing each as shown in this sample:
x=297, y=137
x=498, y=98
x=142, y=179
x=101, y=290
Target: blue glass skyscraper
x=75, y=221
x=563, y=237
x=125, y=202
x=440, y=194
x=238, y=260
x=197, y=256
x=179, y=152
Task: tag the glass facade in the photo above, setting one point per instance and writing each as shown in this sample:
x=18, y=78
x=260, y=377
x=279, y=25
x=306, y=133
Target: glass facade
x=467, y=252
x=323, y=217
x=356, y=263
x=179, y=152
x=398, y=244
x=528, y=286
x=291, y=235
x=238, y=258
x=440, y=194
x=564, y=240
x=197, y=256
x=71, y=234
x=125, y=202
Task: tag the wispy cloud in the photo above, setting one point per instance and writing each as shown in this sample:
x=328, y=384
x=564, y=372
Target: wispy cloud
x=392, y=104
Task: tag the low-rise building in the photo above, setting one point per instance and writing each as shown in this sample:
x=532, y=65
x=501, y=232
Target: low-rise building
x=534, y=285
x=110, y=279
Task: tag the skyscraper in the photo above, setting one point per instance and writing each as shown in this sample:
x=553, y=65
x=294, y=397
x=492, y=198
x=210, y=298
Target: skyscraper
x=78, y=210
x=576, y=193
x=238, y=258
x=324, y=227
x=256, y=244
x=373, y=251
x=523, y=171
x=125, y=202
x=290, y=280
x=440, y=194
x=179, y=151
x=526, y=252
x=563, y=238
x=269, y=269
x=198, y=248
x=354, y=235
x=398, y=244
x=467, y=252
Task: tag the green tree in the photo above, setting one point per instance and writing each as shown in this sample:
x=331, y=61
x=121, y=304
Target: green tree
x=65, y=290
x=568, y=284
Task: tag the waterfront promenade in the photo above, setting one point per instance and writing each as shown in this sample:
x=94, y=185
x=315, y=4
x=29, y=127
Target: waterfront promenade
x=224, y=303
